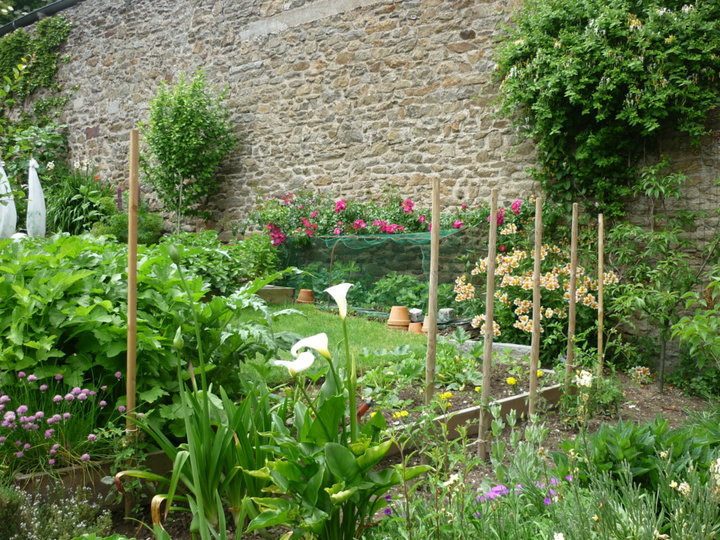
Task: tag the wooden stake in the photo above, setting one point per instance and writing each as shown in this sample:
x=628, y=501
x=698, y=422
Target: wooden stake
x=484, y=420
x=133, y=197
x=535, y=343
x=432, y=294
x=572, y=301
x=600, y=292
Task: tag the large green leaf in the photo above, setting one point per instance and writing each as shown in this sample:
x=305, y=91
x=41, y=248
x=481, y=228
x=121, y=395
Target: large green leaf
x=341, y=462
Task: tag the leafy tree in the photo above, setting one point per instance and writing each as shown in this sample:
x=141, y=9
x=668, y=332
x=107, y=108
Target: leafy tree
x=189, y=134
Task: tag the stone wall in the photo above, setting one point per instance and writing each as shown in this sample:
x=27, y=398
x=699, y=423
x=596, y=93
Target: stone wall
x=352, y=97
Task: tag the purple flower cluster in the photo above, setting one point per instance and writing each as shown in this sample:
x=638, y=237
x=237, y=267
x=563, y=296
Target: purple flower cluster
x=31, y=434
x=549, y=492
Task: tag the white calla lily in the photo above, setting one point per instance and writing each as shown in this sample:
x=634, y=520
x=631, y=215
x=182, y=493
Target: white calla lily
x=339, y=294
x=302, y=362
x=318, y=342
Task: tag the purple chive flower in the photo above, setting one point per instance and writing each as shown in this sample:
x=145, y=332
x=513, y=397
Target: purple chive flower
x=82, y=396
x=568, y=478
x=69, y=397
x=554, y=481
x=67, y=416
x=122, y=408
x=85, y=457
x=32, y=378
x=4, y=399
x=21, y=374
x=18, y=443
x=103, y=387
x=58, y=377
x=19, y=454
x=52, y=451
x=2, y=406
x=51, y=461
x=75, y=391
x=43, y=387
x=118, y=375
x=102, y=403
x=26, y=446
x=3, y=439
x=552, y=492
x=49, y=433
x=91, y=392
x=57, y=398
x=56, y=446
x=40, y=414
x=92, y=437
x=22, y=409
x=547, y=501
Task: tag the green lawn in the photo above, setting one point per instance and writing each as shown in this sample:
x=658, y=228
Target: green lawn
x=365, y=335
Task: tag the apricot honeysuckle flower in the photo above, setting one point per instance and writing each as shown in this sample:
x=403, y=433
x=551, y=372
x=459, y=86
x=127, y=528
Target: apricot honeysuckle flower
x=318, y=342
x=302, y=362
x=339, y=294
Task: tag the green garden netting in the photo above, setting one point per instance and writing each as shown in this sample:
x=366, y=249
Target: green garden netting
x=377, y=255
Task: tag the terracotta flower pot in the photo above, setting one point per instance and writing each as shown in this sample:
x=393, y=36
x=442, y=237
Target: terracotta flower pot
x=415, y=328
x=399, y=318
x=305, y=296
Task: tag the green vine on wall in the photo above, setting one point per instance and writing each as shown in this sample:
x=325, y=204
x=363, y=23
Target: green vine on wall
x=29, y=62
x=593, y=82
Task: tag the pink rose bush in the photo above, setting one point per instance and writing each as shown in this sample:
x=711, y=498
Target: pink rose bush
x=306, y=215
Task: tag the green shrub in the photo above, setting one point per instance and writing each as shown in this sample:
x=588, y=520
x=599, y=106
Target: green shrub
x=77, y=202
x=11, y=501
x=593, y=83
x=73, y=322
x=149, y=226
x=188, y=134
x=225, y=266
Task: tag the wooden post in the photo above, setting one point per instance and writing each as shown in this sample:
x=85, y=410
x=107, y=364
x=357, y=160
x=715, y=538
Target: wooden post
x=600, y=291
x=535, y=343
x=133, y=197
x=484, y=420
x=432, y=293
x=572, y=301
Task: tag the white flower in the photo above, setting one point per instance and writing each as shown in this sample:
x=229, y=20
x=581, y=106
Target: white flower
x=339, y=294
x=584, y=378
x=50, y=165
x=318, y=342
x=558, y=536
x=452, y=480
x=302, y=362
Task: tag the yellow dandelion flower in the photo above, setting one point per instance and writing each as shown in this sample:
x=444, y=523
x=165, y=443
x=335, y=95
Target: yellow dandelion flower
x=511, y=381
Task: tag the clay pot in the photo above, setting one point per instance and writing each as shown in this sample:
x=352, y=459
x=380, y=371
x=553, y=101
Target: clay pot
x=305, y=296
x=399, y=318
x=415, y=328
x=425, y=325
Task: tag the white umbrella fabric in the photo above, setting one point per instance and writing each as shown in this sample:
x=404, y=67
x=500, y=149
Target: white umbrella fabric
x=36, y=202
x=8, y=213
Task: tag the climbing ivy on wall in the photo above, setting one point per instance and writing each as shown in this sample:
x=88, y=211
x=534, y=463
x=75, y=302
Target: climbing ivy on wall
x=29, y=62
x=593, y=82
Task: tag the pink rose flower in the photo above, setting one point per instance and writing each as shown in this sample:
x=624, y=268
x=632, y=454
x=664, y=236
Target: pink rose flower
x=337, y=230
x=515, y=207
x=457, y=224
x=407, y=206
x=359, y=224
x=340, y=206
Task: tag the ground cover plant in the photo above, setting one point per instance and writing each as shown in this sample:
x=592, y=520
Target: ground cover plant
x=66, y=331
